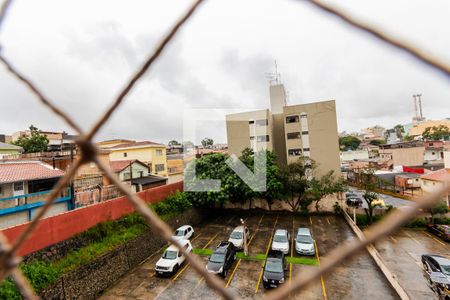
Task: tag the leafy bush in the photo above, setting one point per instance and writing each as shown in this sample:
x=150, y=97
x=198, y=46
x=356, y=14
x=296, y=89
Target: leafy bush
x=443, y=221
x=175, y=203
x=363, y=221
x=416, y=223
x=337, y=208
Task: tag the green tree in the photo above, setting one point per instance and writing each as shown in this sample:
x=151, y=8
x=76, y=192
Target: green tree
x=439, y=209
x=376, y=142
x=349, y=142
x=295, y=178
x=173, y=143
x=328, y=184
x=399, y=130
x=37, y=142
x=206, y=142
x=436, y=133
x=369, y=196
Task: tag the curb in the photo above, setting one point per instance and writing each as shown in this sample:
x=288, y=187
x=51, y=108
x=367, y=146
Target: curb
x=378, y=260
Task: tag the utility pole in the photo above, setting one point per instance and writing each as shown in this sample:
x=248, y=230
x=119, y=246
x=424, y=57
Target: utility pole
x=245, y=245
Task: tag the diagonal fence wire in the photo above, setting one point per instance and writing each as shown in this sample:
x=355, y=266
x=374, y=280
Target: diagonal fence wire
x=9, y=260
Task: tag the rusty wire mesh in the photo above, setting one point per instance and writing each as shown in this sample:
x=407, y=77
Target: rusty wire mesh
x=8, y=251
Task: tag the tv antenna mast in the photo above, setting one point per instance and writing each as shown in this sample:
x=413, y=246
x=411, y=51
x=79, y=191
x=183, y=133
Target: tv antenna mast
x=275, y=77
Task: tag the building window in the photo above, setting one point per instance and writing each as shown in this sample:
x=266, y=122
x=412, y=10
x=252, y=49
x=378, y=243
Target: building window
x=252, y=138
x=18, y=186
x=262, y=138
x=127, y=176
x=306, y=149
x=158, y=152
x=251, y=122
x=263, y=122
x=1, y=192
x=125, y=154
x=293, y=135
x=159, y=167
x=295, y=152
x=432, y=153
x=292, y=119
x=303, y=115
x=305, y=132
x=141, y=173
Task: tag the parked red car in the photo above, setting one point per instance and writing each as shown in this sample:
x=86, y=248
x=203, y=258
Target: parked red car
x=442, y=231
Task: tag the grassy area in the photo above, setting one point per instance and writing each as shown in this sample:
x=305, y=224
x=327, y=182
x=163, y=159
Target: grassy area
x=262, y=257
x=102, y=238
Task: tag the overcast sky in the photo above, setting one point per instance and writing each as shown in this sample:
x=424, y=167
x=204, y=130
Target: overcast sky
x=81, y=53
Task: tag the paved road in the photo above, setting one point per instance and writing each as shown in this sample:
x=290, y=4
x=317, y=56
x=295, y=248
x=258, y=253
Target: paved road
x=358, y=278
x=402, y=253
x=388, y=200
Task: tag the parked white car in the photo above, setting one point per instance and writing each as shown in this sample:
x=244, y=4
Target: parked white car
x=281, y=240
x=304, y=242
x=185, y=232
x=172, y=259
x=237, y=236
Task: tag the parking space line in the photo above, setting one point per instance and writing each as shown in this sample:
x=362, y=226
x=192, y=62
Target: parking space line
x=210, y=241
x=324, y=290
x=411, y=237
x=232, y=274
x=310, y=221
x=328, y=221
x=180, y=272
x=393, y=239
x=254, y=233
x=196, y=237
x=434, y=238
x=267, y=251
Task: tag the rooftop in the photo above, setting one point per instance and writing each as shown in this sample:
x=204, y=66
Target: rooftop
x=440, y=175
x=119, y=165
x=27, y=170
x=142, y=144
x=5, y=146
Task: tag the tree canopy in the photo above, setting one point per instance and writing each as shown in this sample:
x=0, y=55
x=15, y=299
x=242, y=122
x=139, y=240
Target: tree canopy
x=207, y=142
x=173, y=143
x=37, y=142
x=436, y=133
x=349, y=142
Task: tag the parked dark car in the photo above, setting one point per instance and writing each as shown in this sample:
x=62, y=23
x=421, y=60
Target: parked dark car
x=352, y=199
x=274, y=268
x=222, y=258
x=437, y=270
x=442, y=231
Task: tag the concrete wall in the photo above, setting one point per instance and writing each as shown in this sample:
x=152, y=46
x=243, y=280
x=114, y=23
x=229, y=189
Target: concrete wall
x=413, y=156
x=89, y=281
x=57, y=228
x=447, y=159
x=352, y=155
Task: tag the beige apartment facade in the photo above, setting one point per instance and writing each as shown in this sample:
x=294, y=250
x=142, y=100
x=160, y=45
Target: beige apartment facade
x=292, y=131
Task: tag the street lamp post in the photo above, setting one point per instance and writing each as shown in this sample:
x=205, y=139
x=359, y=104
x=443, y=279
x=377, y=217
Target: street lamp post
x=245, y=245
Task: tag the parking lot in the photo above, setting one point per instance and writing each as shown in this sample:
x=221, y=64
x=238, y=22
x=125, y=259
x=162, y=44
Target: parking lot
x=358, y=278
x=402, y=254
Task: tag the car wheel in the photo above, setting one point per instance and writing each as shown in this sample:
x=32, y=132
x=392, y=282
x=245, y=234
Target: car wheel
x=175, y=269
x=224, y=273
x=234, y=258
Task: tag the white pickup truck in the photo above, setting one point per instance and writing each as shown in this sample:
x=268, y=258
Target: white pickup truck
x=172, y=259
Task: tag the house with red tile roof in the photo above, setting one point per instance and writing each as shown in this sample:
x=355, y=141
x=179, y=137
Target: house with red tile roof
x=136, y=174
x=24, y=186
x=150, y=153
x=434, y=181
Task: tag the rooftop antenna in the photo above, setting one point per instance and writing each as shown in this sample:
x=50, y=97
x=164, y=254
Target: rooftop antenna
x=274, y=78
x=415, y=106
x=420, y=105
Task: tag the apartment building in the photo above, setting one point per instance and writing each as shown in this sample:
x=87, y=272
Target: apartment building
x=289, y=130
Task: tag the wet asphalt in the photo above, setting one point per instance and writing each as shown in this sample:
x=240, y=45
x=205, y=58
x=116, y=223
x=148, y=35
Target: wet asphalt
x=402, y=253
x=358, y=278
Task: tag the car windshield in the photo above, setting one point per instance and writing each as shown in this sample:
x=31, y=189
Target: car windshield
x=170, y=254
x=445, y=269
x=274, y=267
x=304, y=239
x=236, y=235
x=280, y=239
x=217, y=258
x=179, y=233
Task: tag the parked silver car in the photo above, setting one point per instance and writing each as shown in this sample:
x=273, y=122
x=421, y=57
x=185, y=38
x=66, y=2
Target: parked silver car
x=304, y=242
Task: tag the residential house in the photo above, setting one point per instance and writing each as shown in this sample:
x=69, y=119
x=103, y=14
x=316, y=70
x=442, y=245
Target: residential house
x=136, y=174
x=112, y=143
x=354, y=155
x=291, y=131
x=433, y=181
x=151, y=153
x=416, y=130
x=402, y=154
x=57, y=141
x=175, y=167
x=9, y=149
x=24, y=185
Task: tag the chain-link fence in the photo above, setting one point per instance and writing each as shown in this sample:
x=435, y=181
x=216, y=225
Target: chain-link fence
x=8, y=251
